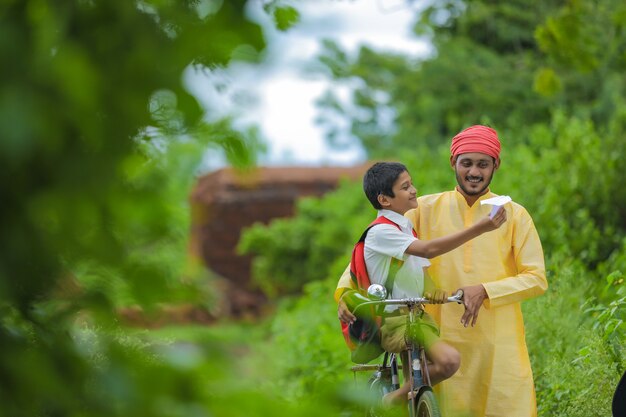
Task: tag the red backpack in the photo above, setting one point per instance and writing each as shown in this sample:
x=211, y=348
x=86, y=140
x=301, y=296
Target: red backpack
x=363, y=336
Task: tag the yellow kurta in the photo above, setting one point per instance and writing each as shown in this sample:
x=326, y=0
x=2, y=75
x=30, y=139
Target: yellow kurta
x=495, y=378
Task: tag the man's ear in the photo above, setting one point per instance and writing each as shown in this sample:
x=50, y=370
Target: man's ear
x=452, y=161
x=383, y=200
x=496, y=164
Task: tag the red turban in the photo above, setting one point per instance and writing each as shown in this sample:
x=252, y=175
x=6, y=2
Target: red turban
x=477, y=138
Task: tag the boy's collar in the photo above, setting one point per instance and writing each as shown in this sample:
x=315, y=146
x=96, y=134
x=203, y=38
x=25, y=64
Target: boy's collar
x=394, y=217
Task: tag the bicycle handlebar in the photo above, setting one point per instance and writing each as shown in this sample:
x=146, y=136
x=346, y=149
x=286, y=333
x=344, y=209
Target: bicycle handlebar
x=456, y=298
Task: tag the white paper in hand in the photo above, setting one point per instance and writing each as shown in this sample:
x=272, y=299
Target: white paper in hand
x=496, y=202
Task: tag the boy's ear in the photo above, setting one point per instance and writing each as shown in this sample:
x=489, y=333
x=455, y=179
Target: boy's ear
x=383, y=200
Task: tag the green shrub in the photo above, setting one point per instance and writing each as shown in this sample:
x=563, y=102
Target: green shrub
x=575, y=345
x=292, y=252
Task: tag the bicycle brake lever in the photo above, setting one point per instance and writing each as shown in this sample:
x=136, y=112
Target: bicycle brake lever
x=457, y=297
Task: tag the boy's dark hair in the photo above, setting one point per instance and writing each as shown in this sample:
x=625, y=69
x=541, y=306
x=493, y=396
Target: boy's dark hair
x=379, y=179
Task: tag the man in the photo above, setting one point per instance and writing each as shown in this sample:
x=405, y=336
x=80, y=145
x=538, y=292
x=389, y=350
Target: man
x=496, y=272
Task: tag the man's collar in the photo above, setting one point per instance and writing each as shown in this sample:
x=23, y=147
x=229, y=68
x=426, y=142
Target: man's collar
x=485, y=195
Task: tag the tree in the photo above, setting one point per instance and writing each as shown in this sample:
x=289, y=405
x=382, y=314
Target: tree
x=506, y=64
x=92, y=94
x=481, y=69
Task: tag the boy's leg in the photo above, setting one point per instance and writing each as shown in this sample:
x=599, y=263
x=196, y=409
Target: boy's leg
x=392, y=335
x=445, y=361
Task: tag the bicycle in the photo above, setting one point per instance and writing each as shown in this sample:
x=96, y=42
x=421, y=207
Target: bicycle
x=385, y=379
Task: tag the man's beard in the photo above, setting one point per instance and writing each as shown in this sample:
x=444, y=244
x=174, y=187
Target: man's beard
x=485, y=182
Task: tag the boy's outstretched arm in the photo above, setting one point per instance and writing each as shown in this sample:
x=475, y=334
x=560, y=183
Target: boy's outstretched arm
x=435, y=247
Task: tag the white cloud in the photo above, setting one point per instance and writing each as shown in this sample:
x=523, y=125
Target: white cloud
x=279, y=97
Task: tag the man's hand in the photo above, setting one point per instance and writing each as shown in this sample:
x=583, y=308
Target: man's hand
x=344, y=313
x=473, y=297
x=489, y=223
x=437, y=297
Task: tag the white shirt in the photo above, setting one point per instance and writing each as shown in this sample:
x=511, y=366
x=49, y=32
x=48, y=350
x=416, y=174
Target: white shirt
x=385, y=241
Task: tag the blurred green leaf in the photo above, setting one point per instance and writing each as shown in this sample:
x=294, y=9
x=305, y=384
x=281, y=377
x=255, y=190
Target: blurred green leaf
x=285, y=17
x=547, y=82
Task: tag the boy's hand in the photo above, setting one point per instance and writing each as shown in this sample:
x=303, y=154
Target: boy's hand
x=437, y=297
x=473, y=297
x=492, y=223
x=345, y=315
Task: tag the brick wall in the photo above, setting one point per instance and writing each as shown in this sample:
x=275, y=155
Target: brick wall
x=224, y=202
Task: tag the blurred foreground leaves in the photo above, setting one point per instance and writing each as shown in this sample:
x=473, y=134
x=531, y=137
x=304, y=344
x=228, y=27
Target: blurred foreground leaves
x=99, y=141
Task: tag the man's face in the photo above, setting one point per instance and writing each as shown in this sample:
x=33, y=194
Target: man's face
x=474, y=172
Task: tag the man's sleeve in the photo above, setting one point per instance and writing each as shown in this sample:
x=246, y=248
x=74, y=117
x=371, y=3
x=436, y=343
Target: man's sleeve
x=530, y=280
x=345, y=284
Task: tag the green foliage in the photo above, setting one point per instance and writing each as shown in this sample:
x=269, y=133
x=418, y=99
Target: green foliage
x=284, y=17
x=317, y=359
x=74, y=116
x=295, y=251
x=576, y=349
x=546, y=82
x=610, y=320
x=506, y=64
x=578, y=209
x=584, y=42
x=100, y=142
x=482, y=70
x=305, y=359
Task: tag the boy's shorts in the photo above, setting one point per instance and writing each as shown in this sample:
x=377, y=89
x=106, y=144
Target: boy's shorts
x=425, y=332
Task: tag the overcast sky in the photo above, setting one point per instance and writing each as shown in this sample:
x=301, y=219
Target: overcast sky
x=279, y=95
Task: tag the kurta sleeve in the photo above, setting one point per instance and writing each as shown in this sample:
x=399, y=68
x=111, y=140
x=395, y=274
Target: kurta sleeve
x=530, y=280
x=345, y=283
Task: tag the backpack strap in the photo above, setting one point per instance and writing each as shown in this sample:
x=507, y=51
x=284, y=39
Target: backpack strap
x=358, y=269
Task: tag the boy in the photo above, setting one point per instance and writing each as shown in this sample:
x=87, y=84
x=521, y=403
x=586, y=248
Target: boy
x=389, y=189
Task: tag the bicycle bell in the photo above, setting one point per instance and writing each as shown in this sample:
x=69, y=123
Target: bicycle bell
x=376, y=292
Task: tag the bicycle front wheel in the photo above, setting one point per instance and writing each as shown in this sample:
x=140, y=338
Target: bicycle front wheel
x=427, y=405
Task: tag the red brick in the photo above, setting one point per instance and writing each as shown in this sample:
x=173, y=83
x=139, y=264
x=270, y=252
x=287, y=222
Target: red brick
x=226, y=201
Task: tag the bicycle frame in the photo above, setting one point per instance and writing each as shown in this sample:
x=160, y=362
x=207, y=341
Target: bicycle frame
x=419, y=377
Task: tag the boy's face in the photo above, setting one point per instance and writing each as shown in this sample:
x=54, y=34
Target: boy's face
x=405, y=195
